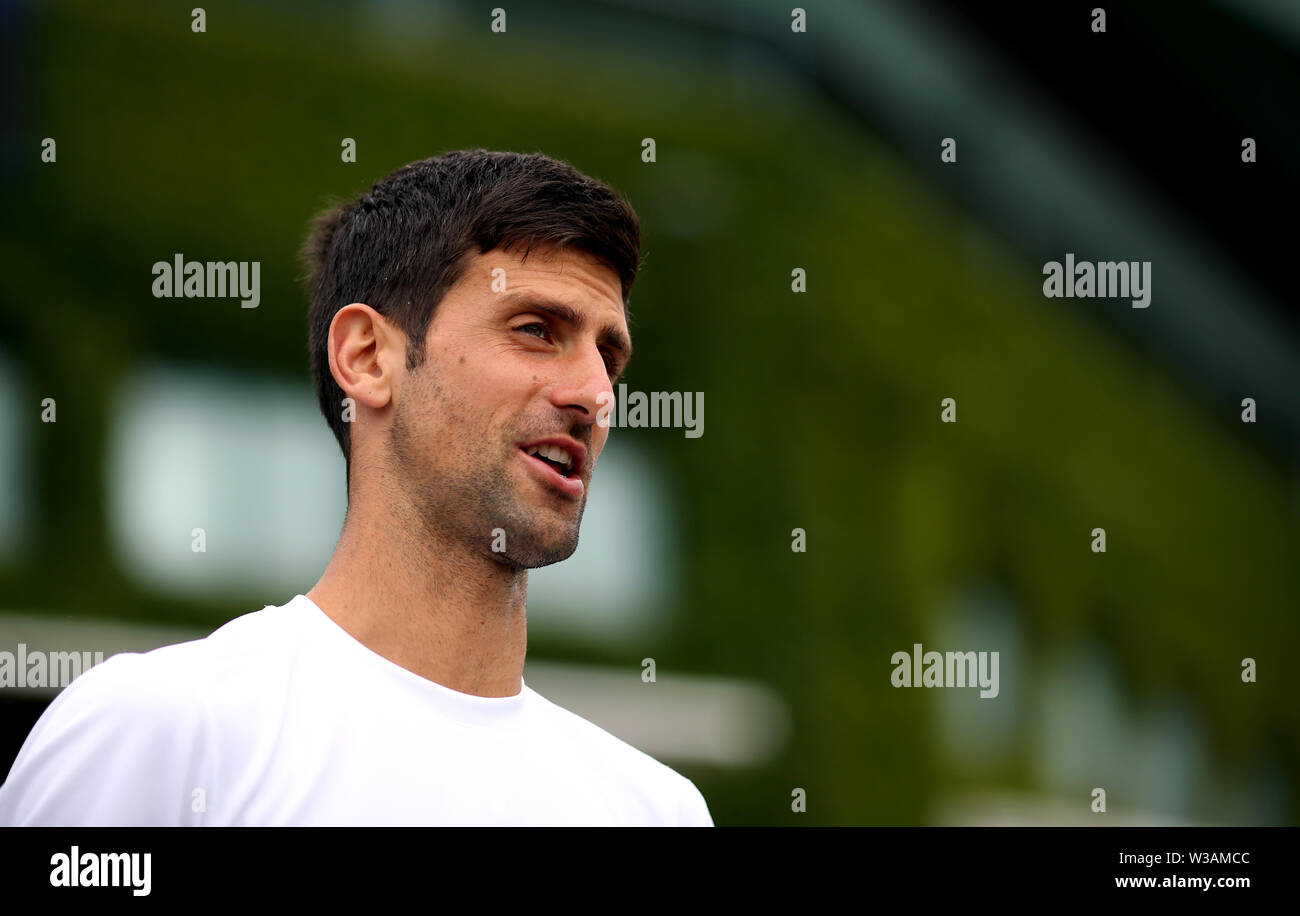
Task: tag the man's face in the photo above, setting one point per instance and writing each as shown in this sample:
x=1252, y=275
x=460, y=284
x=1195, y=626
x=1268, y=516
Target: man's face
x=497, y=429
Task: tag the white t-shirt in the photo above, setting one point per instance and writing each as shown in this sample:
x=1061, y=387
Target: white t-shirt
x=281, y=717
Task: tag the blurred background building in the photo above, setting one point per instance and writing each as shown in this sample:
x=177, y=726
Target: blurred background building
x=776, y=149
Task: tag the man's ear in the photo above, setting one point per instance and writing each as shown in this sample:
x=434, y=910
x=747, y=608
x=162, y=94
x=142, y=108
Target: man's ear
x=366, y=354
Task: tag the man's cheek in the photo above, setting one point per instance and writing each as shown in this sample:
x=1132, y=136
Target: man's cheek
x=604, y=413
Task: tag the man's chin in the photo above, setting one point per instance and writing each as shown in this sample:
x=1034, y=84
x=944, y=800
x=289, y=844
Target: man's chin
x=532, y=560
x=544, y=530
x=534, y=552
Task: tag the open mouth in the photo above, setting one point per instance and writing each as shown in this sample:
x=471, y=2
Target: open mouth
x=559, y=463
x=555, y=457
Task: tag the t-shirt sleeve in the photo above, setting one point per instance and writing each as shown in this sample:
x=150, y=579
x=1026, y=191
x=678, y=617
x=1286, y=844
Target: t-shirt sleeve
x=122, y=745
x=693, y=810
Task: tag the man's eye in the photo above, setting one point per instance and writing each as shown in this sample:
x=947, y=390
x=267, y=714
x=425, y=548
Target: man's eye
x=528, y=329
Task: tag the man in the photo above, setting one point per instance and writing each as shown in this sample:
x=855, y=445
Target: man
x=467, y=323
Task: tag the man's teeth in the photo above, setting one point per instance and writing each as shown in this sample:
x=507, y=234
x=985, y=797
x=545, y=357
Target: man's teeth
x=554, y=453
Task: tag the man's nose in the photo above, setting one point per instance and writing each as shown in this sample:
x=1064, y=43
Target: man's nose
x=582, y=380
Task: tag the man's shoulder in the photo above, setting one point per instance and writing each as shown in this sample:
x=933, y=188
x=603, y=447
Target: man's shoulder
x=636, y=770
x=131, y=739
x=174, y=677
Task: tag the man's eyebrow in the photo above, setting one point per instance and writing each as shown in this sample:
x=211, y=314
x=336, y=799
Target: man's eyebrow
x=609, y=335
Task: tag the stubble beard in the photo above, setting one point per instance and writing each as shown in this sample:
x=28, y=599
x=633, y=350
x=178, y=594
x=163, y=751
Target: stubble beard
x=464, y=490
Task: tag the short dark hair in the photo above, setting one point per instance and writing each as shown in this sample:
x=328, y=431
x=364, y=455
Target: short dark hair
x=403, y=245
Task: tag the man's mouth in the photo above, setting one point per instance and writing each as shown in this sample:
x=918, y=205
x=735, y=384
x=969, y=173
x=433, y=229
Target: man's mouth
x=558, y=461
x=556, y=457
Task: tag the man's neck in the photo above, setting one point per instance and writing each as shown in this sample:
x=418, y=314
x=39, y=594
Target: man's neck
x=437, y=609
